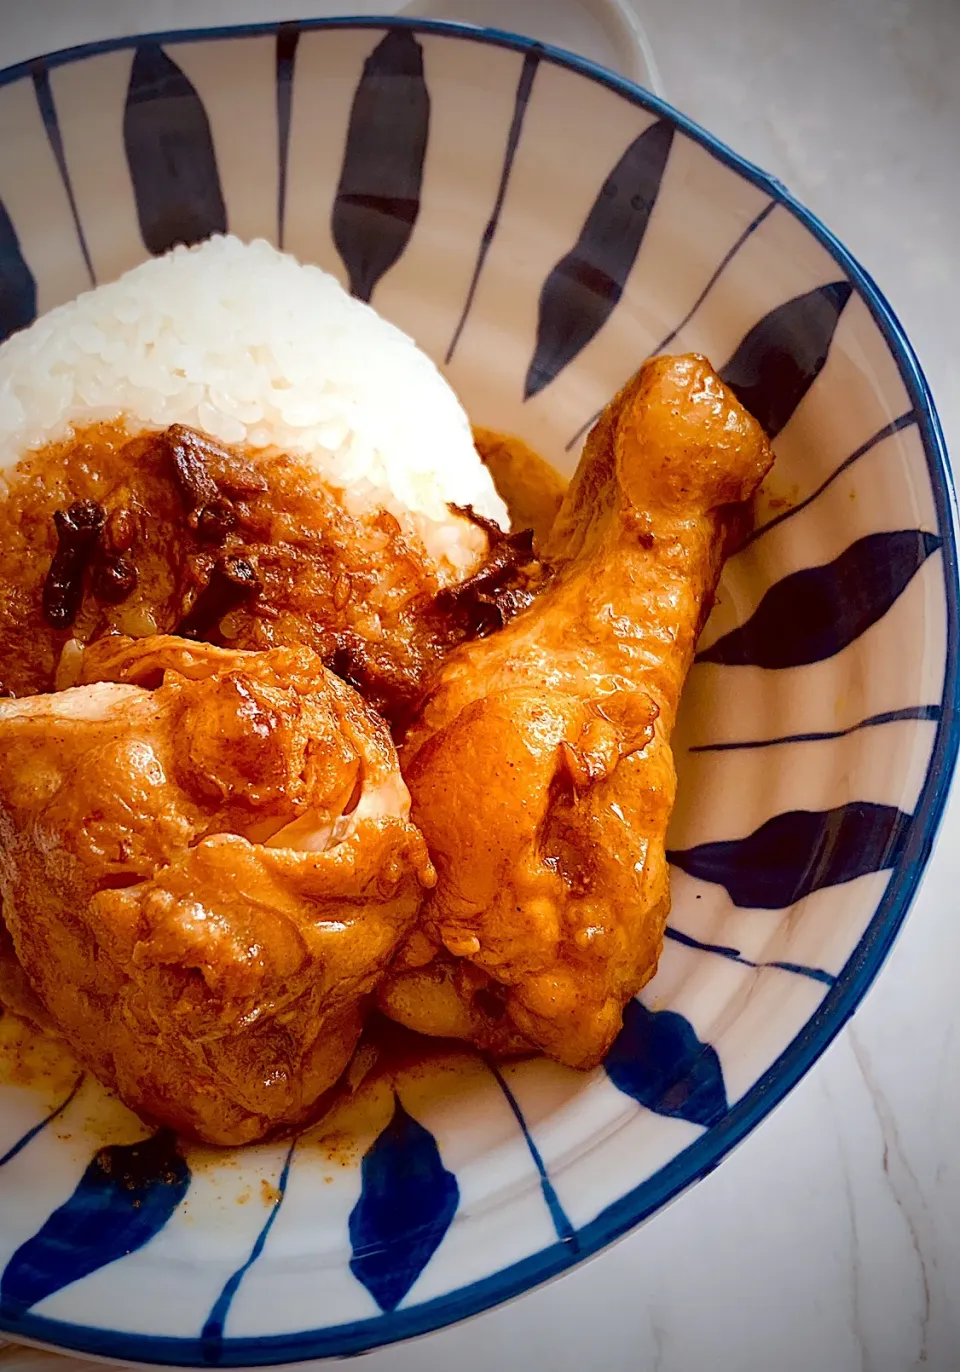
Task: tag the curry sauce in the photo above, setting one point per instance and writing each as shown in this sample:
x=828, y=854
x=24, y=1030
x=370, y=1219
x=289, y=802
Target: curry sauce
x=173, y=533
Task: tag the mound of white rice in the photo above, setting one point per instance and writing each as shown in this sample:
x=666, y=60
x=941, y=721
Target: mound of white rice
x=254, y=348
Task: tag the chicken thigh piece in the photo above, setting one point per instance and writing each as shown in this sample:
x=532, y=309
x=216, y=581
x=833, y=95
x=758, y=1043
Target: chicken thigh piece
x=206, y=862
x=540, y=767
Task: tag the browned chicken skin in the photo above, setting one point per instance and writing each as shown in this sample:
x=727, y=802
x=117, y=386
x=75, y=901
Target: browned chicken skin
x=16, y=993
x=206, y=860
x=166, y=512
x=540, y=768
x=207, y=864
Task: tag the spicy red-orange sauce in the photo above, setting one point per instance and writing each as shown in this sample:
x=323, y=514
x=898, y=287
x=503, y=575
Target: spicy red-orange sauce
x=359, y=590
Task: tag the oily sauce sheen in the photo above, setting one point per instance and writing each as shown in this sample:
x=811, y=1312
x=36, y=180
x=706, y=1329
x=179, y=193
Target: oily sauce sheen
x=151, y=566
x=168, y=533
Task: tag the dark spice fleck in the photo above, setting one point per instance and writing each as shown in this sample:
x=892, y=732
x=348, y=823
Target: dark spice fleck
x=78, y=532
x=346, y=662
x=188, y=452
x=232, y=582
x=114, y=579
x=215, y=522
x=209, y=477
x=490, y=1001
x=501, y=588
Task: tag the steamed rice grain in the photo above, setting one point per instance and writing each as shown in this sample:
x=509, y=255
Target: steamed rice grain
x=254, y=348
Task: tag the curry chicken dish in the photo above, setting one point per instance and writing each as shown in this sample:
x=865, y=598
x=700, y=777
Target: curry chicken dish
x=271, y=764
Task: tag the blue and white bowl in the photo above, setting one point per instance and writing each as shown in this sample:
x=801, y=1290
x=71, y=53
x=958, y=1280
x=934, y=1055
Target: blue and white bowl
x=540, y=226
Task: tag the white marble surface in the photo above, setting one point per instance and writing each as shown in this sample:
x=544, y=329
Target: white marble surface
x=831, y=1238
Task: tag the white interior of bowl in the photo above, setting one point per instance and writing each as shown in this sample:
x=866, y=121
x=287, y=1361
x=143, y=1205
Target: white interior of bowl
x=717, y=255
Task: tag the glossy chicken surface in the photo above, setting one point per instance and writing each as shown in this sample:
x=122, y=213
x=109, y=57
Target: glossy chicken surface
x=169, y=511
x=206, y=863
x=540, y=767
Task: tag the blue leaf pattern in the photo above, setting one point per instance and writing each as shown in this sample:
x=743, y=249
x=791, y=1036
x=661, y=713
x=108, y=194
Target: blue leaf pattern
x=722, y=950
x=524, y=87
x=801, y=851
x=173, y=165
x=18, y=289
x=51, y=123
x=407, y=1202
x=781, y=357
x=288, y=37
x=561, y=1221
x=26, y=1139
x=928, y=713
x=815, y=613
x=903, y=421
x=658, y=1060
x=211, y=1336
x=678, y=328
x=123, y=1199
x=378, y=198
x=581, y=292
x=409, y=1199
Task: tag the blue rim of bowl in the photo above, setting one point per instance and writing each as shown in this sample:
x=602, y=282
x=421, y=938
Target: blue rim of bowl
x=859, y=972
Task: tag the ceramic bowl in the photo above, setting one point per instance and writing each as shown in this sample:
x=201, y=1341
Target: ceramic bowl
x=540, y=226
